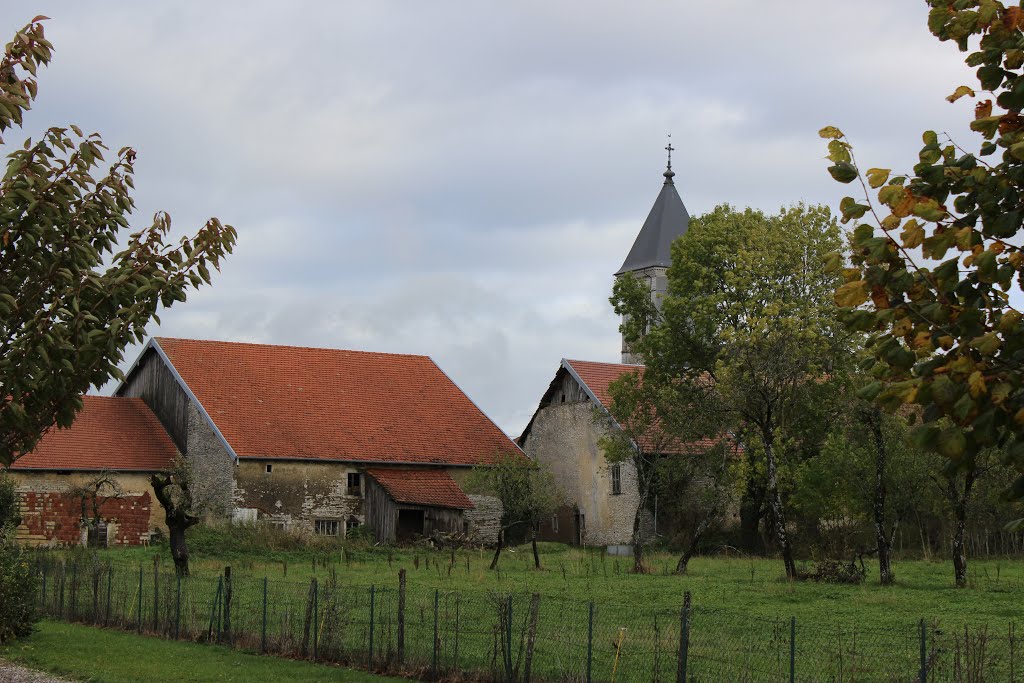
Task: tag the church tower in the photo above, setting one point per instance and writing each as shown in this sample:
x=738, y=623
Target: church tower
x=651, y=254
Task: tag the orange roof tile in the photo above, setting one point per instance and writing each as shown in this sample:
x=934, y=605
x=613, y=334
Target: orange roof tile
x=294, y=402
x=110, y=433
x=598, y=376
x=435, y=488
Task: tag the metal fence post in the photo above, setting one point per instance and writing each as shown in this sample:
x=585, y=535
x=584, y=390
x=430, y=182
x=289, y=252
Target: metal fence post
x=110, y=586
x=923, y=672
x=792, y=650
x=684, y=638
x=508, y=639
x=434, y=662
x=373, y=591
x=316, y=617
x=156, y=593
x=590, y=641
x=73, y=607
x=139, y=620
x=42, y=601
x=227, y=604
x=177, y=609
x=263, y=627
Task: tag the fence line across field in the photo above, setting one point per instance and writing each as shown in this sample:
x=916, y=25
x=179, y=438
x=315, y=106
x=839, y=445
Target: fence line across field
x=508, y=636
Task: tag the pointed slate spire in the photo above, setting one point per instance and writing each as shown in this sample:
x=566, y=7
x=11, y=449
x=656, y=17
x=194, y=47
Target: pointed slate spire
x=667, y=220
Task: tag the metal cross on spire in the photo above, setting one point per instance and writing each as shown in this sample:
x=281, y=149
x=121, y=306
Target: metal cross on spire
x=669, y=173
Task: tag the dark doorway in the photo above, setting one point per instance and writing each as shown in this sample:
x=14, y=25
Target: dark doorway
x=410, y=524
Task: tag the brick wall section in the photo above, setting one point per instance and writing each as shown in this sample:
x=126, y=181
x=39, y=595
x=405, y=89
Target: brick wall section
x=211, y=465
x=57, y=517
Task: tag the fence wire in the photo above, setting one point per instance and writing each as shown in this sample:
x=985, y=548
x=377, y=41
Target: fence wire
x=502, y=636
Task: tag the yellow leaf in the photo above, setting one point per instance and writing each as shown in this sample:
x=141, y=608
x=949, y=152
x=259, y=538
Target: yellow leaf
x=912, y=235
x=976, y=384
x=960, y=92
x=946, y=342
x=830, y=133
x=1019, y=417
x=877, y=176
x=852, y=294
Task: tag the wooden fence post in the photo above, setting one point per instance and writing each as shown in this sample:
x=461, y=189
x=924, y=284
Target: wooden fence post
x=177, y=608
x=373, y=595
x=139, y=615
x=684, y=639
x=316, y=618
x=531, y=636
x=590, y=640
x=401, y=617
x=923, y=672
x=308, y=620
x=792, y=650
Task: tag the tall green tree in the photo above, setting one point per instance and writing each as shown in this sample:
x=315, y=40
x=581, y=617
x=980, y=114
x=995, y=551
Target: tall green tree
x=75, y=291
x=749, y=320
x=937, y=251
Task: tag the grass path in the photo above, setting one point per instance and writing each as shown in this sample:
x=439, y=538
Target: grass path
x=103, y=656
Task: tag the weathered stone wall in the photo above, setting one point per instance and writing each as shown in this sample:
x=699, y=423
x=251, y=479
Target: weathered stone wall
x=296, y=493
x=564, y=437
x=52, y=516
x=485, y=519
x=212, y=467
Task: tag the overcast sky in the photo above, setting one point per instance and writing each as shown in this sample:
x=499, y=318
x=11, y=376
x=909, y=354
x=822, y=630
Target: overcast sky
x=462, y=179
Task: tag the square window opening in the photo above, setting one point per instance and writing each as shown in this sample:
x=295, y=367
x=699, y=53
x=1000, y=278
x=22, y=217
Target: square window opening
x=327, y=527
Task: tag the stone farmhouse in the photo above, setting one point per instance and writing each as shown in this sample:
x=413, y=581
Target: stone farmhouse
x=317, y=441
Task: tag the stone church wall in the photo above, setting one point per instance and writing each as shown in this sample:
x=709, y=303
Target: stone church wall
x=564, y=437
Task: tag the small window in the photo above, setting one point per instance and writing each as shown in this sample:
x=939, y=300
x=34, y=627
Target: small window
x=270, y=468
x=326, y=527
x=554, y=523
x=616, y=480
x=279, y=524
x=355, y=484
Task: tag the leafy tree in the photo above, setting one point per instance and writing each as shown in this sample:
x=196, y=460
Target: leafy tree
x=10, y=516
x=749, y=317
x=936, y=256
x=528, y=495
x=657, y=428
x=870, y=475
x=70, y=304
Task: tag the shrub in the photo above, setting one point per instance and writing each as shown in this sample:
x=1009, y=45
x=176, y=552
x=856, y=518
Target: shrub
x=18, y=589
x=833, y=571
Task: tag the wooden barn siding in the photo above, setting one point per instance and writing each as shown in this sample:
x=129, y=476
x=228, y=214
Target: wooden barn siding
x=382, y=514
x=567, y=390
x=153, y=382
x=380, y=511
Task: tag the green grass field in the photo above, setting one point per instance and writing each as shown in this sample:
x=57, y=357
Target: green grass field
x=104, y=656
x=739, y=628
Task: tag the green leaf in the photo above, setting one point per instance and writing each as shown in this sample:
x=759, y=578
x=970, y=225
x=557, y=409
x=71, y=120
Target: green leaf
x=843, y=172
x=830, y=133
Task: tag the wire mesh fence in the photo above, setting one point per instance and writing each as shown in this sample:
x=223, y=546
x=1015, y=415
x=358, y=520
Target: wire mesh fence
x=502, y=636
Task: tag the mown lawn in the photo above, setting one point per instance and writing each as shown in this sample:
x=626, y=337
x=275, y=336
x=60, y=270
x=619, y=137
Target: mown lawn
x=105, y=656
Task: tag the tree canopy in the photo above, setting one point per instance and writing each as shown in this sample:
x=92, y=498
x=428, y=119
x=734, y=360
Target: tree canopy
x=74, y=290
x=748, y=324
x=936, y=253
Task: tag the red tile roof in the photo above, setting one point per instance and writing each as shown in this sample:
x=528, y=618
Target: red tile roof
x=110, y=433
x=293, y=402
x=434, y=488
x=598, y=376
